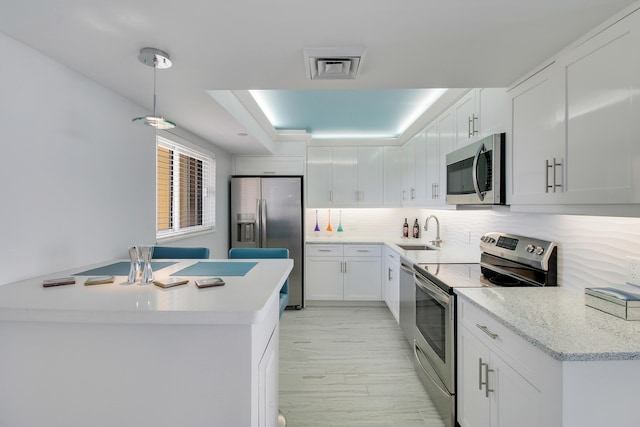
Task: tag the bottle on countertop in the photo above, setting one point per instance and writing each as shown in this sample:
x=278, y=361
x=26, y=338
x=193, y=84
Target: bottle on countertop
x=405, y=228
x=416, y=229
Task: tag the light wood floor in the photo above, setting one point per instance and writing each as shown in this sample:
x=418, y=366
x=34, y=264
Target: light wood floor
x=349, y=366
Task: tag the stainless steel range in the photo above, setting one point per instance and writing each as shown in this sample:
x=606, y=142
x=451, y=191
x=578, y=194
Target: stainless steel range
x=505, y=260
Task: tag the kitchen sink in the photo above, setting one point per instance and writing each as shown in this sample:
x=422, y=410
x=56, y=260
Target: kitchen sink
x=415, y=247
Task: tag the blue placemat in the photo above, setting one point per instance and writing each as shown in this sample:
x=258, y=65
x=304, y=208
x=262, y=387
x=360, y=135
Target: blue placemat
x=216, y=269
x=120, y=269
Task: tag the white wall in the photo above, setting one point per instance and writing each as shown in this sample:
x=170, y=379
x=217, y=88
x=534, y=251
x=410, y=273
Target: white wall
x=591, y=252
x=77, y=177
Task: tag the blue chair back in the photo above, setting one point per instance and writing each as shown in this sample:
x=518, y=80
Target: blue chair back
x=264, y=253
x=167, y=252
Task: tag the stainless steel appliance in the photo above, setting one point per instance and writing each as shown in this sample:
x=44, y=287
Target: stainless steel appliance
x=475, y=173
x=407, y=312
x=505, y=260
x=267, y=212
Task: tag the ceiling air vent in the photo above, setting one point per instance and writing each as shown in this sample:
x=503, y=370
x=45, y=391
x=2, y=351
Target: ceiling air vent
x=333, y=63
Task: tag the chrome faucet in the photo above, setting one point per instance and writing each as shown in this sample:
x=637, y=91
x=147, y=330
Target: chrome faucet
x=438, y=241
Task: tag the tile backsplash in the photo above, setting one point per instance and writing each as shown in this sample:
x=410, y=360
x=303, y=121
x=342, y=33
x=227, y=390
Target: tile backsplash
x=591, y=251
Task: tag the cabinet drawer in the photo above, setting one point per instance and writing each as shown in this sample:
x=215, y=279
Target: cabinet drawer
x=363, y=250
x=522, y=356
x=324, y=250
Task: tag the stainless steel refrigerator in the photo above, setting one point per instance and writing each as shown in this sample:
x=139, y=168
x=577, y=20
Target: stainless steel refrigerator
x=267, y=212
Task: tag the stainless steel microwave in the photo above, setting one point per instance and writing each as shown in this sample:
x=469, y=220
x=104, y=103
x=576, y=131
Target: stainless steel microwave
x=475, y=173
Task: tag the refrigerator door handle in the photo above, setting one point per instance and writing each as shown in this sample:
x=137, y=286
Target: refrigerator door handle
x=263, y=224
x=258, y=230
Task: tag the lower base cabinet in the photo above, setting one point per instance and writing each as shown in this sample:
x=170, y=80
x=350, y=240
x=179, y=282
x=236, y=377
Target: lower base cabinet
x=343, y=272
x=502, y=380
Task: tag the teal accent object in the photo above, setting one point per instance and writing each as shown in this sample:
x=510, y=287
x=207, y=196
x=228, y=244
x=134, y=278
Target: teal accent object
x=120, y=269
x=340, y=230
x=171, y=252
x=216, y=269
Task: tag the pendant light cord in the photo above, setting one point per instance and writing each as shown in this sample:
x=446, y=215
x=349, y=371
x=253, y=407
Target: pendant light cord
x=155, y=70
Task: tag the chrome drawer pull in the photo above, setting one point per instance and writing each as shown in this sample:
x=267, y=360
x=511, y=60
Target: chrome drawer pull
x=487, y=331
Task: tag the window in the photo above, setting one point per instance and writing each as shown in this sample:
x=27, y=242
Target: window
x=185, y=190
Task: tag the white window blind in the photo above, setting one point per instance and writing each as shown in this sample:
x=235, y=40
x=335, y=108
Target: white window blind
x=185, y=190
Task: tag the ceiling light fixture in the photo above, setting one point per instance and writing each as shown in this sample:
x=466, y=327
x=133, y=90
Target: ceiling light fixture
x=157, y=59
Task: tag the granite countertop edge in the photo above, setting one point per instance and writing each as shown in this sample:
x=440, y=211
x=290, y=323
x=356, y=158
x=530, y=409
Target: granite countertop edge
x=564, y=355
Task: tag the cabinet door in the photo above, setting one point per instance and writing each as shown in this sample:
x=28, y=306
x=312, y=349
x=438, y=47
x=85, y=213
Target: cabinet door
x=345, y=176
x=370, y=176
x=493, y=111
x=537, y=138
x=269, y=165
x=319, y=176
x=324, y=278
x=391, y=282
x=432, y=148
x=409, y=179
x=362, y=279
x=466, y=119
x=445, y=146
x=516, y=401
x=268, y=372
x=393, y=170
x=474, y=407
x=603, y=108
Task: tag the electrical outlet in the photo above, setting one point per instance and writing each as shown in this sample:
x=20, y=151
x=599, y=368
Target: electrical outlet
x=633, y=270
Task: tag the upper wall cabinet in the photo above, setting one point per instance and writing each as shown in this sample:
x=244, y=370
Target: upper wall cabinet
x=478, y=113
x=393, y=173
x=575, y=132
x=344, y=176
x=268, y=165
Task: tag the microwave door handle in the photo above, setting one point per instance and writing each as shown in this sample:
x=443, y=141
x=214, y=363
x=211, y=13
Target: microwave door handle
x=476, y=185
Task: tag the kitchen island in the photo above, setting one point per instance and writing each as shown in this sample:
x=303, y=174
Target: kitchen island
x=123, y=354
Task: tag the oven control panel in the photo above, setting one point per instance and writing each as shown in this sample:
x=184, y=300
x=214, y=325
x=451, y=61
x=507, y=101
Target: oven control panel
x=526, y=250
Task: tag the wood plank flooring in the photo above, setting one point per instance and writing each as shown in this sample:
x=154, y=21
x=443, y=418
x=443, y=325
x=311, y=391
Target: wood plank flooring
x=349, y=367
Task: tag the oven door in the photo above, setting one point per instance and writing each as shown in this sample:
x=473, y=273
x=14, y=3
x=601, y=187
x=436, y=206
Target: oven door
x=434, y=343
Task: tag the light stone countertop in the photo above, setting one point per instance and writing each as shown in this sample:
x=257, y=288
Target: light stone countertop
x=242, y=300
x=557, y=321
x=447, y=254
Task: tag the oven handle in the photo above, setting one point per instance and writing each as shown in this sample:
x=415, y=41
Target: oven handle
x=438, y=382
x=406, y=267
x=476, y=184
x=432, y=290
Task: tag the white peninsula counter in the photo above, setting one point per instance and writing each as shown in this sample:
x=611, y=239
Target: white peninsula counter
x=123, y=354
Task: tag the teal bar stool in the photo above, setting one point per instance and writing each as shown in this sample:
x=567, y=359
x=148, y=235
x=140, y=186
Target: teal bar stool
x=262, y=253
x=168, y=252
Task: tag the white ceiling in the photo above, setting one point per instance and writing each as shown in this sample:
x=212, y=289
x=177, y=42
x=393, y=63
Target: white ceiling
x=239, y=45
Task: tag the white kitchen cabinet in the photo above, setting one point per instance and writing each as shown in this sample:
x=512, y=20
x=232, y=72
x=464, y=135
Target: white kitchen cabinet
x=414, y=189
x=575, y=136
x=343, y=272
x=268, y=379
x=391, y=281
x=538, y=138
x=480, y=112
x=603, y=106
x=268, y=165
x=344, y=176
x=465, y=111
x=319, y=176
x=502, y=379
x=393, y=172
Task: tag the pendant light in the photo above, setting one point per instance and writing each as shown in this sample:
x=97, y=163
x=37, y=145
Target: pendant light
x=157, y=59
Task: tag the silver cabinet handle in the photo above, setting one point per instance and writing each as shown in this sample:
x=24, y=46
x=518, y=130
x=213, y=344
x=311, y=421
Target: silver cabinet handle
x=485, y=383
x=330, y=195
x=413, y=193
x=389, y=277
x=553, y=167
x=469, y=127
x=487, y=331
x=404, y=194
x=474, y=120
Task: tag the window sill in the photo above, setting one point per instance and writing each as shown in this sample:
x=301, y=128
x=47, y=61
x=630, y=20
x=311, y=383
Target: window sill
x=177, y=237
